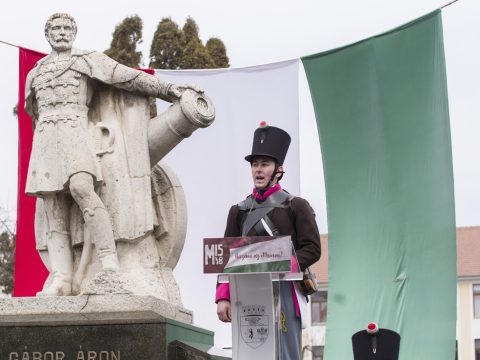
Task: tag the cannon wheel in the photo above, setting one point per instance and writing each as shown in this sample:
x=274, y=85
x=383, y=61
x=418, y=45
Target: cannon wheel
x=171, y=208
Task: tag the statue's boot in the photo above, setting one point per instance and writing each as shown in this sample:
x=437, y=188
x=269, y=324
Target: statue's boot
x=61, y=260
x=110, y=262
x=100, y=228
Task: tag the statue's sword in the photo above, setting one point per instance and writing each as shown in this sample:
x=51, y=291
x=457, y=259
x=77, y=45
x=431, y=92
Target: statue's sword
x=104, y=137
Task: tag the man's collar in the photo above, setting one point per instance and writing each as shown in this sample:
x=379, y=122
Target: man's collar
x=261, y=196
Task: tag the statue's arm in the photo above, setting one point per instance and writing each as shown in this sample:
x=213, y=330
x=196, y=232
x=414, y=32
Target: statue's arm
x=101, y=67
x=143, y=83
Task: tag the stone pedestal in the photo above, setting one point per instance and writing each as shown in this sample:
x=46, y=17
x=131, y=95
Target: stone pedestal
x=99, y=327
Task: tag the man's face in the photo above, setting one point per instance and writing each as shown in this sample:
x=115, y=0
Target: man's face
x=262, y=171
x=61, y=34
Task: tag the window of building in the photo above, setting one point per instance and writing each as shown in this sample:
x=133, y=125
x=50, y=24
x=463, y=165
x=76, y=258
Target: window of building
x=317, y=352
x=477, y=349
x=319, y=307
x=476, y=301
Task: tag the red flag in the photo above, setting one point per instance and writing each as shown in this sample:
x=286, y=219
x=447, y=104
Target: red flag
x=30, y=273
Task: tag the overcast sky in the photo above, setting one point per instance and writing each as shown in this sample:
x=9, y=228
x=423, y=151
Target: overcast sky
x=259, y=32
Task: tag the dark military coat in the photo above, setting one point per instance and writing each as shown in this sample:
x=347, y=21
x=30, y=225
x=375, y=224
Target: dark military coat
x=296, y=220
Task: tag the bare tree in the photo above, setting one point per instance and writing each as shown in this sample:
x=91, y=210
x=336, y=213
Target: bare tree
x=7, y=252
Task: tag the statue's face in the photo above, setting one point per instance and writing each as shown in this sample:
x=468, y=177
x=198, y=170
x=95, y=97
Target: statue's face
x=61, y=34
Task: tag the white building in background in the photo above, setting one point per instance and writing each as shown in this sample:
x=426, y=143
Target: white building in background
x=468, y=293
x=468, y=299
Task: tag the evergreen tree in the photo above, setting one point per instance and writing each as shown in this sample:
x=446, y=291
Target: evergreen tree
x=126, y=37
x=175, y=48
x=190, y=30
x=167, y=46
x=195, y=55
x=218, y=52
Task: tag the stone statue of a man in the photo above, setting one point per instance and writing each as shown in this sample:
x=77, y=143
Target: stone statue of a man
x=71, y=169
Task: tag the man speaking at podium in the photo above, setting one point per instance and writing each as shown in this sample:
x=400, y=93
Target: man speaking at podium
x=289, y=215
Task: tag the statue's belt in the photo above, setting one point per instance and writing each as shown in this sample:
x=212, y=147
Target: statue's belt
x=64, y=110
x=58, y=118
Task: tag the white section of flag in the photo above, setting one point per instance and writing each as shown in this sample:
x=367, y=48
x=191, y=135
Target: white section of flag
x=279, y=249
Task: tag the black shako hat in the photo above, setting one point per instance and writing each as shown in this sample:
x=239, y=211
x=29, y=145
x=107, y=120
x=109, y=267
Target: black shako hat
x=376, y=344
x=270, y=141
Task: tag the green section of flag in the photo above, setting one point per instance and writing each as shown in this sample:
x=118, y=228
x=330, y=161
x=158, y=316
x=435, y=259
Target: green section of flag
x=382, y=113
x=272, y=266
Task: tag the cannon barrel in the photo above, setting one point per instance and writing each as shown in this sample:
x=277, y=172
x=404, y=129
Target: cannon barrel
x=194, y=110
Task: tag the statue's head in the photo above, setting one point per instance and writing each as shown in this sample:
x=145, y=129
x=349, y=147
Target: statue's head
x=60, y=31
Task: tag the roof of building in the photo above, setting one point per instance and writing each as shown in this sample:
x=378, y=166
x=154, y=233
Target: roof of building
x=468, y=254
x=468, y=251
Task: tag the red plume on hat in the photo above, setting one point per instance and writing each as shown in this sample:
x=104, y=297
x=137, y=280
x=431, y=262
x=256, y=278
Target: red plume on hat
x=372, y=328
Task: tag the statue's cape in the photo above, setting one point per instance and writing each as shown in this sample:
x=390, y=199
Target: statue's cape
x=118, y=123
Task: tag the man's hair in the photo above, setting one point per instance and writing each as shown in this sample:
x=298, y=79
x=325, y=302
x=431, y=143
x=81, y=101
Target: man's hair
x=48, y=24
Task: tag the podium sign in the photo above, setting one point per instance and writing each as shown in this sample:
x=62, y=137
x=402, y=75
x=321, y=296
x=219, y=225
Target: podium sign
x=251, y=265
x=239, y=255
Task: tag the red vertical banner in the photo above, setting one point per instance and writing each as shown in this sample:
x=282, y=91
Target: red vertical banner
x=30, y=272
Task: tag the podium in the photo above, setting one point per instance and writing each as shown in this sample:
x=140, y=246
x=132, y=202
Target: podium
x=254, y=267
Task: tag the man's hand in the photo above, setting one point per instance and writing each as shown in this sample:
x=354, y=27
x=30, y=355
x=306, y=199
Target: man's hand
x=224, y=311
x=176, y=91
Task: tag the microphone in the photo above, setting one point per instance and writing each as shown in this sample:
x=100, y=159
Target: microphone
x=372, y=330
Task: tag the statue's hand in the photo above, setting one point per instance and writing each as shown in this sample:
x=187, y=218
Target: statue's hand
x=176, y=91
